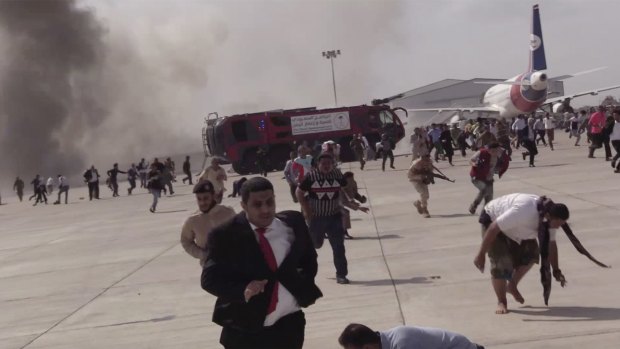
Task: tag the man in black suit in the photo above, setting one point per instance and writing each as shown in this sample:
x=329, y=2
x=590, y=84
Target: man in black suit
x=261, y=267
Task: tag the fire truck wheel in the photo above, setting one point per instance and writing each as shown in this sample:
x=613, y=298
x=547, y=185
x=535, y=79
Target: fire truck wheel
x=240, y=169
x=279, y=155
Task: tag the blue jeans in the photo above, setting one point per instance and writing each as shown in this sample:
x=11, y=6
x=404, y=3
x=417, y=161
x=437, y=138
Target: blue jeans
x=156, y=194
x=332, y=226
x=485, y=191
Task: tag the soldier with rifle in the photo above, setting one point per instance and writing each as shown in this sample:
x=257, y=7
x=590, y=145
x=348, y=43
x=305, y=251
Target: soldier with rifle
x=421, y=174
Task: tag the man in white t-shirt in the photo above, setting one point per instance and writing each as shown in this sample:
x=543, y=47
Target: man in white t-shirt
x=549, y=122
x=510, y=226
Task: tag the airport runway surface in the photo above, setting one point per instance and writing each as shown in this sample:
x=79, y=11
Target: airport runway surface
x=109, y=274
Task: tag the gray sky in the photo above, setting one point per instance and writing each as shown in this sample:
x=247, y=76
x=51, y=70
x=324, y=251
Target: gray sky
x=269, y=52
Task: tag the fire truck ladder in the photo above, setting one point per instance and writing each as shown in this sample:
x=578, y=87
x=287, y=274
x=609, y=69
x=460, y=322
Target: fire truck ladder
x=209, y=121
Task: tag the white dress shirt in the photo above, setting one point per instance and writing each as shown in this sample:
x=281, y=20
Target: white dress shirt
x=280, y=237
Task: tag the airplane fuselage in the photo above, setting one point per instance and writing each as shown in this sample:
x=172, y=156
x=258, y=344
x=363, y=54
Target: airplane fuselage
x=521, y=94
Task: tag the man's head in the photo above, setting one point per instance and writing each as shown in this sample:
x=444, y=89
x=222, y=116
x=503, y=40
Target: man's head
x=187, y=158
x=92, y=167
x=348, y=175
x=292, y=155
x=204, y=195
x=494, y=148
x=326, y=162
x=258, y=201
x=426, y=158
x=301, y=150
x=115, y=165
x=59, y=176
x=601, y=108
x=215, y=162
x=358, y=336
x=557, y=215
x=616, y=114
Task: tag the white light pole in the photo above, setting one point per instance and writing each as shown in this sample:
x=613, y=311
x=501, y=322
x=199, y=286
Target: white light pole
x=331, y=55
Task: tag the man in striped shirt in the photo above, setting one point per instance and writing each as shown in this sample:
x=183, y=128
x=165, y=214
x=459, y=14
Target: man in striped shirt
x=322, y=209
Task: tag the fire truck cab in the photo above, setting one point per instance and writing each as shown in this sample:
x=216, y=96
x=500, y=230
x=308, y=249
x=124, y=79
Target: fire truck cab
x=238, y=138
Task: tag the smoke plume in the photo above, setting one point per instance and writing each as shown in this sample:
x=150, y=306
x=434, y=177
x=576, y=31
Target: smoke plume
x=82, y=87
x=49, y=49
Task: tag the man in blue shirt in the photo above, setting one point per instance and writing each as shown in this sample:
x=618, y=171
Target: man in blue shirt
x=357, y=336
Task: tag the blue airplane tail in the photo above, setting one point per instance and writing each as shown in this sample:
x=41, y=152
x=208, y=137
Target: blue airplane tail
x=537, y=46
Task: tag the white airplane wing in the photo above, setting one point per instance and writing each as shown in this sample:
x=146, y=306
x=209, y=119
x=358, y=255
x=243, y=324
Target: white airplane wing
x=593, y=92
x=459, y=109
x=443, y=115
x=568, y=76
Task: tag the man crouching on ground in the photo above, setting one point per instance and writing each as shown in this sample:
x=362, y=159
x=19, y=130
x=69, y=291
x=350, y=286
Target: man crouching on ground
x=511, y=225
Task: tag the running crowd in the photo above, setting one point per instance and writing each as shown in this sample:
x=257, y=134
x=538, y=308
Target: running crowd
x=261, y=264
x=156, y=177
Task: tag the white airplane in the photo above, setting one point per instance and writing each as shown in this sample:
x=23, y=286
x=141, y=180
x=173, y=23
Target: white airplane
x=523, y=94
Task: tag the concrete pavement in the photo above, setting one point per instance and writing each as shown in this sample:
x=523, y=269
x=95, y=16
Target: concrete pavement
x=109, y=274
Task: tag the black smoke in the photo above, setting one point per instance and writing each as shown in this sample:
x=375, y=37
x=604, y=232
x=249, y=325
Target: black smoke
x=50, y=51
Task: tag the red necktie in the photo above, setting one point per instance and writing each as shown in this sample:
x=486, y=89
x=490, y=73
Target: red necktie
x=270, y=258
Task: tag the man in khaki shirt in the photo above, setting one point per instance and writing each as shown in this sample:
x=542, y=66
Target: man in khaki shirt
x=198, y=226
x=216, y=175
x=420, y=175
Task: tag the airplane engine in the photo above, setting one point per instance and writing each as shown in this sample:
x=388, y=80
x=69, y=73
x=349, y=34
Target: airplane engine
x=538, y=81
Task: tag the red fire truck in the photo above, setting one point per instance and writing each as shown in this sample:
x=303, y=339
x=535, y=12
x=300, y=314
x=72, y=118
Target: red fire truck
x=238, y=138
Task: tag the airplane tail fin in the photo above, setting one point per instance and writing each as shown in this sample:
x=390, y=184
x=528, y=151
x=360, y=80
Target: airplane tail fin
x=537, y=47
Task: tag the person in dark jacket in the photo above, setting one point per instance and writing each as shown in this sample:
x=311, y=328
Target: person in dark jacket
x=154, y=185
x=187, y=170
x=35, y=186
x=91, y=176
x=261, y=267
x=446, y=142
x=18, y=187
x=132, y=175
x=113, y=173
x=607, y=130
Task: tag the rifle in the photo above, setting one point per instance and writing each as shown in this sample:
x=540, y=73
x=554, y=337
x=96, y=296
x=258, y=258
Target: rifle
x=440, y=175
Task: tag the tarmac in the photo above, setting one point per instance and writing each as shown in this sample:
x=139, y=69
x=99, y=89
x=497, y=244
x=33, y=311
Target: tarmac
x=110, y=274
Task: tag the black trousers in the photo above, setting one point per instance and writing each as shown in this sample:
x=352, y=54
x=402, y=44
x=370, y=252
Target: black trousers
x=607, y=147
x=114, y=184
x=286, y=333
x=93, y=190
x=188, y=175
x=532, y=151
x=616, y=145
x=293, y=190
x=387, y=154
x=132, y=185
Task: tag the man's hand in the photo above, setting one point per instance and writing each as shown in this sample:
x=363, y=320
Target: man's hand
x=479, y=262
x=364, y=209
x=253, y=288
x=559, y=277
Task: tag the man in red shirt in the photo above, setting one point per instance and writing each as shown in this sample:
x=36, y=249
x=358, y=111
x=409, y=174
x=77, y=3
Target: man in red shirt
x=596, y=124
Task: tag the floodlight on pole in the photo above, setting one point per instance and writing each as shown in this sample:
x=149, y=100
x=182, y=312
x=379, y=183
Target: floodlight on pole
x=331, y=55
